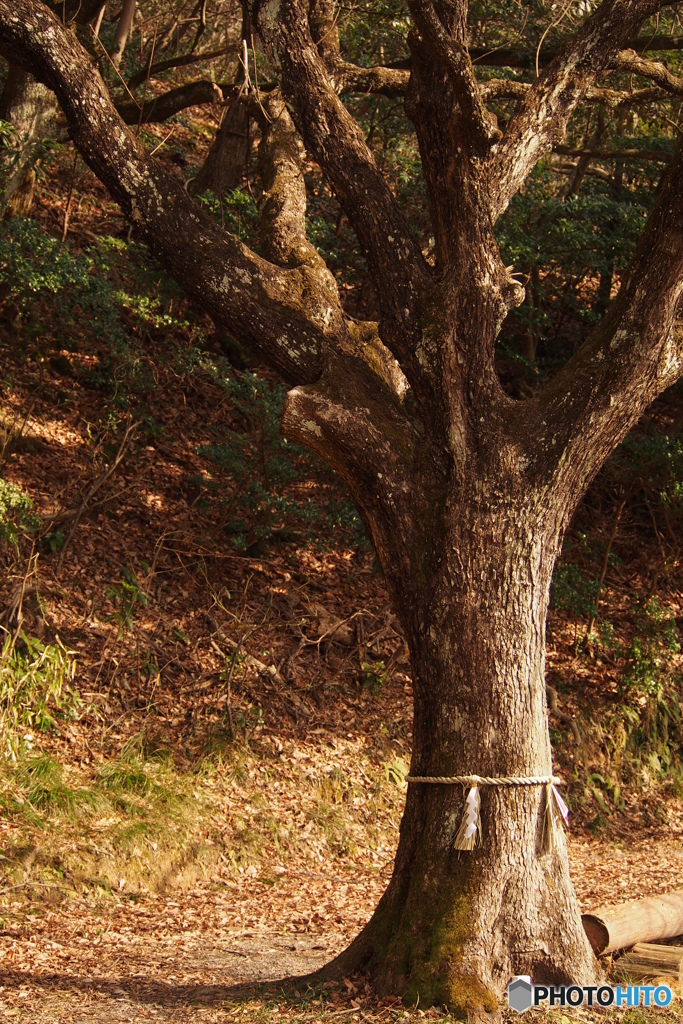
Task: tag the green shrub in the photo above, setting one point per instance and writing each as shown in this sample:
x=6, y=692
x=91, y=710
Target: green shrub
x=261, y=470
x=16, y=516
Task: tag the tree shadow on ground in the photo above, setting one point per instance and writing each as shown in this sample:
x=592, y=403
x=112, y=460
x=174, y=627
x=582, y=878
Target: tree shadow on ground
x=298, y=992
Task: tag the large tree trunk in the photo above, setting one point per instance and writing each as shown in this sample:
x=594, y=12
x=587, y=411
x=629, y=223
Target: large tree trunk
x=454, y=927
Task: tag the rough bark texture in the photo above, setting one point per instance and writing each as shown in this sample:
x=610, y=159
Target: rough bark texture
x=31, y=109
x=225, y=164
x=452, y=928
x=465, y=491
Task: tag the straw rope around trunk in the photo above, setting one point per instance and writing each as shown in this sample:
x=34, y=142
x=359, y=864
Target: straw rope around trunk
x=469, y=833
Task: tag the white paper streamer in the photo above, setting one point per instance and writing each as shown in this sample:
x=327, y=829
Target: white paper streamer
x=468, y=835
x=556, y=814
x=561, y=805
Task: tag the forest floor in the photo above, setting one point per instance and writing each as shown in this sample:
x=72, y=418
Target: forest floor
x=212, y=800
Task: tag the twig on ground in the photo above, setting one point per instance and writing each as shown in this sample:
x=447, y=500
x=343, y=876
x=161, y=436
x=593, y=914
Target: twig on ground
x=14, y=611
x=92, y=490
x=228, y=682
x=605, y=566
x=10, y=437
x=551, y=697
x=249, y=660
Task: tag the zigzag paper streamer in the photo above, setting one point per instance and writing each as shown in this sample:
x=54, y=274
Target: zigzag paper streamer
x=556, y=814
x=469, y=833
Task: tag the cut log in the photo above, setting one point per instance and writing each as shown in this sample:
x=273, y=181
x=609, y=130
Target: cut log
x=647, y=960
x=625, y=924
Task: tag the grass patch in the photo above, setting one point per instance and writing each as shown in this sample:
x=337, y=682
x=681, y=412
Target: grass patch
x=36, y=690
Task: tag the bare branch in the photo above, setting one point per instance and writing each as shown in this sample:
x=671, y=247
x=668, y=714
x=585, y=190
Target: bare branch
x=160, y=108
x=512, y=57
x=283, y=211
x=176, y=62
x=346, y=421
x=613, y=99
x=504, y=89
x=629, y=61
x=80, y=11
x=632, y=356
x=544, y=112
x=384, y=81
x=616, y=154
x=480, y=121
x=123, y=30
x=337, y=142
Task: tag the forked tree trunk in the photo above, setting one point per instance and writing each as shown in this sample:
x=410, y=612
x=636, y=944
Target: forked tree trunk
x=465, y=491
x=453, y=927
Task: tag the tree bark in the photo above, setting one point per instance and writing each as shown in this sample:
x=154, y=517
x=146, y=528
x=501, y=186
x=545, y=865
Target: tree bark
x=226, y=161
x=469, y=572
x=31, y=109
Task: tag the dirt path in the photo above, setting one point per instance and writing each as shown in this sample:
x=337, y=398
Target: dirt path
x=196, y=955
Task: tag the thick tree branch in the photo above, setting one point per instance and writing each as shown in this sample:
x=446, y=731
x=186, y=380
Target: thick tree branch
x=630, y=62
x=346, y=419
x=336, y=141
x=634, y=354
x=393, y=82
x=283, y=211
x=615, y=154
x=480, y=122
x=349, y=78
x=507, y=89
x=161, y=107
x=512, y=57
x=284, y=314
x=544, y=112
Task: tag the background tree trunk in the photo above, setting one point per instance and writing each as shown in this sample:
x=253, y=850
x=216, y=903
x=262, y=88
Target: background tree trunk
x=31, y=109
x=226, y=161
x=123, y=30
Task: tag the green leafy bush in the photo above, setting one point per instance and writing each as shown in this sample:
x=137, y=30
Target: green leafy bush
x=261, y=471
x=112, y=292
x=127, y=596
x=571, y=592
x=16, y=514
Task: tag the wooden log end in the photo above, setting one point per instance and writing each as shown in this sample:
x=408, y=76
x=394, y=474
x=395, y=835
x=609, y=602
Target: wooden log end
x=597, y=933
